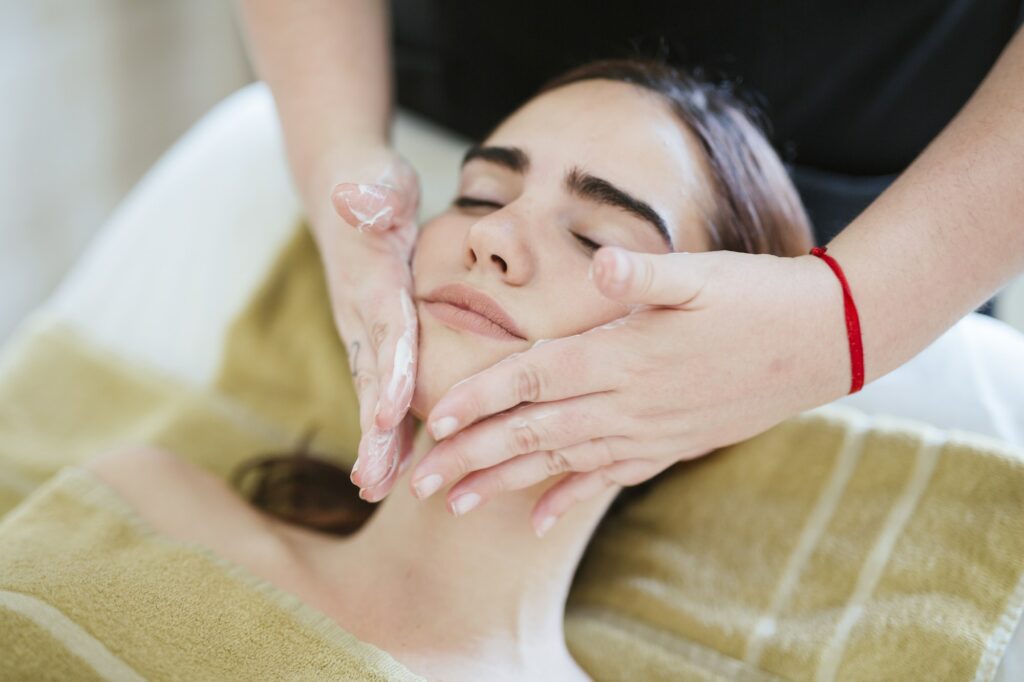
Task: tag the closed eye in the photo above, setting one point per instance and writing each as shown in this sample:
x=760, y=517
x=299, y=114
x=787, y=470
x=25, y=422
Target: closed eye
x=590, y=245
x=471, y=202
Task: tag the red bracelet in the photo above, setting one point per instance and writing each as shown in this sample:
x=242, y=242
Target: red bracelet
x=852, y=322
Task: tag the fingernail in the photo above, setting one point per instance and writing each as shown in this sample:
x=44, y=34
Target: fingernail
x=355, y=467
x=545, y=525
x=427, y=486
x=443, y=427
x=463, y=504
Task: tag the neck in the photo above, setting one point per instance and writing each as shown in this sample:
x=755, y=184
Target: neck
x=482, y=581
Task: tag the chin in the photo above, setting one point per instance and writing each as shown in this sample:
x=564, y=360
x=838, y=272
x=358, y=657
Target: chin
x=446, y=357
x=435, y=373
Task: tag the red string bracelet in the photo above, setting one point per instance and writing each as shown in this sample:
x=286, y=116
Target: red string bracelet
x=852, y=322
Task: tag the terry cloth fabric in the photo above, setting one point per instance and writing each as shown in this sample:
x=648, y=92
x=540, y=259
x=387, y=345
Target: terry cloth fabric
x=89, y=591
x=201, y=325
x=835, y=546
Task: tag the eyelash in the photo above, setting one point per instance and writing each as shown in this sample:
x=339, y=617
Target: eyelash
x=470, y=202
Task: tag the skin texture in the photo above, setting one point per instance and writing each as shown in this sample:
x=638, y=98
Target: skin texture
x=466, y=607
x=526, y=253
x=748, y=340
x=470, y=607
x=763, y=338
x=336, y=122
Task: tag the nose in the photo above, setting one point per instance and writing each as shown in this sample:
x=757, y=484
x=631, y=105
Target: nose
x=496, y=244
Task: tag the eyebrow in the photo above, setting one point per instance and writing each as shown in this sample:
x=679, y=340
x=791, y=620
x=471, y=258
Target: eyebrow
x=513, y=158
x=577, y=182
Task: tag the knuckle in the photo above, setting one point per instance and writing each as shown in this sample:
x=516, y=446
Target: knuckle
x=378, y=332
x=475, y=404
x=605, y=454
x=529, y=384
x=525, y=438
x=555, y=463
x=460, y=461
x=496, y=486
x=645, y=276
x=599, y=455
x=363, y=382
x=606, y=478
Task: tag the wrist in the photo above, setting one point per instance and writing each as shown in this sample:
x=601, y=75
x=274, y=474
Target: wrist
x=826, y=353
x=851, y=318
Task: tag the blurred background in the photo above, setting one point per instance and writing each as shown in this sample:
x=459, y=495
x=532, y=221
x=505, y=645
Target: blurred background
x=94, y=91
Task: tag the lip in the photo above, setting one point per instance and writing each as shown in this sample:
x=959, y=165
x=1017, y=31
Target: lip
x=462, y=306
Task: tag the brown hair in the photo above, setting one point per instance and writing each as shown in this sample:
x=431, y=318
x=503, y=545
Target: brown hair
x=755, y=209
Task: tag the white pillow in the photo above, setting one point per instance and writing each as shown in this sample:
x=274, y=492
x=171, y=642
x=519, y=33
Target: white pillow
x=970, y=378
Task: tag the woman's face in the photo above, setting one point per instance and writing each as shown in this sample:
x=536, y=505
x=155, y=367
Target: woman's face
x=594, y=163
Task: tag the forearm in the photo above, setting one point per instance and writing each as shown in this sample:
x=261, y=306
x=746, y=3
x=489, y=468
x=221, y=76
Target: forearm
x=949, y=232
x=328, y=65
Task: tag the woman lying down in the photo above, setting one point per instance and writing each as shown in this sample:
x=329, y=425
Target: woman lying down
x=622, y=153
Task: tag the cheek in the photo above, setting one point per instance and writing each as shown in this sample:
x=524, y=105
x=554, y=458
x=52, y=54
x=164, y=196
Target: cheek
x=446, y=356
x=572, y=304
x=437, y=257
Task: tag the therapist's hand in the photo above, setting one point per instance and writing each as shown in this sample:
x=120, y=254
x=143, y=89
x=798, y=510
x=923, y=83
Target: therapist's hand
x=366, y=242
x=720, y=346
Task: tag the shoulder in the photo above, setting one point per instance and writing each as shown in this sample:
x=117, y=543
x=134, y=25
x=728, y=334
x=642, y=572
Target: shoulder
x=183, y=501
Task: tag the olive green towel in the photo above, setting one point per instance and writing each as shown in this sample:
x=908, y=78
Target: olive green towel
x=835, y=546
x=89, y=591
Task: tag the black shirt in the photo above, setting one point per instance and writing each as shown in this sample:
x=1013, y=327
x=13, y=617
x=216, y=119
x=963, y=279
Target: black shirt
x=854, y=90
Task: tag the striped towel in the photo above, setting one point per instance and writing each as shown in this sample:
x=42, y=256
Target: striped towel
x=89, y=591
x=835, y=546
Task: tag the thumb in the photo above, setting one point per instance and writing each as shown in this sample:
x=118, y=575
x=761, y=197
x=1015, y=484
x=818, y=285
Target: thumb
x=368, y=207
x=652, y=279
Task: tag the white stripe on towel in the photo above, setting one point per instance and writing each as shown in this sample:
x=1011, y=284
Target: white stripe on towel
x=878, y=557
x=814, y=528
x=71, y=635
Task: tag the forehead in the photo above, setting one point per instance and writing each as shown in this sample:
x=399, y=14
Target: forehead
x=622, y=133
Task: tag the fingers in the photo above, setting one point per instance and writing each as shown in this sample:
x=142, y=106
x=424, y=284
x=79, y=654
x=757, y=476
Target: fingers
x=390, y=465
x=396, y=355
x=555, y=370
x=392, y=201
x=384, y=393
x=388, y=455
x=579, y=487
x=550, y=426
x=368, y=207
x=529, y=470
x=665, y=279
x=362, y=363
x=378, y=458
x=385, y=396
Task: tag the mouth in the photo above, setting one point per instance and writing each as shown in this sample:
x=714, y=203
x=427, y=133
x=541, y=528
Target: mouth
x=464, y=307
